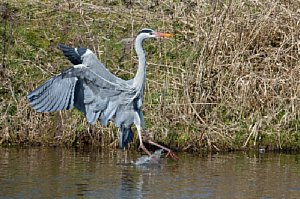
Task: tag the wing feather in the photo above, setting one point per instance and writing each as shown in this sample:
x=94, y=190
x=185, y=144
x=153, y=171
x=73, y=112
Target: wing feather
x=53, y=95
x=42, y=103
x=61, y=99
x=67, y=100
x=37, y=96
x=47, y=103
x=73, y=54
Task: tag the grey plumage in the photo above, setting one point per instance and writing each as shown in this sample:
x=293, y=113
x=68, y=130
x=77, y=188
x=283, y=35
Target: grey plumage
x=95, y=91
x=55, y=94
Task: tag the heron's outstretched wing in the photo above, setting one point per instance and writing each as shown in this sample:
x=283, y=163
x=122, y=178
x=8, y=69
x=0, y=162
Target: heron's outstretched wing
x=55, y=94
x=81, y=87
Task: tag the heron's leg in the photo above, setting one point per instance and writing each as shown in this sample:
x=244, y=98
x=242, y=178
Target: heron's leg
x=142, y=146
x=170, y=152
x=138, y=123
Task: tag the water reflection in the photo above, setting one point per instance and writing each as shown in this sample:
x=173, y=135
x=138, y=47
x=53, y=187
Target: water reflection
x=94, y=173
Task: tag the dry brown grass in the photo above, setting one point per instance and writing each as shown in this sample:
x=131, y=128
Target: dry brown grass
x=228, y=80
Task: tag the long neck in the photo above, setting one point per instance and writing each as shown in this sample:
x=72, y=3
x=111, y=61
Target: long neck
x=140, y=76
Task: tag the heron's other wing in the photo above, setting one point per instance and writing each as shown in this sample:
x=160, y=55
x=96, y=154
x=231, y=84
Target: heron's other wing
x=73, y=54
x=88, y=58
x=55, y=94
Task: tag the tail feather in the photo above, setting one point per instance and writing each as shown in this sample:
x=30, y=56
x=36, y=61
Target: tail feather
x=126, y=136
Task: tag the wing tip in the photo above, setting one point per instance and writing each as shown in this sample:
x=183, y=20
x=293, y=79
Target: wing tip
x=62, y=46
x=73, y=54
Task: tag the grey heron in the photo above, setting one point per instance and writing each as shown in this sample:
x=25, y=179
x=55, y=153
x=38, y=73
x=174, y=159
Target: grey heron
x=91, y=88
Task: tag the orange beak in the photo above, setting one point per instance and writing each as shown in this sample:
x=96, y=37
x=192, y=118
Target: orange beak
x=160, y=34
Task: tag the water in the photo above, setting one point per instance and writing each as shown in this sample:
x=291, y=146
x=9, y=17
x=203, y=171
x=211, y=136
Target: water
x=70, y=173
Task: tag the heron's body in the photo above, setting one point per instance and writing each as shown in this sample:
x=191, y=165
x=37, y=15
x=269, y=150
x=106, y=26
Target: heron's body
x=95, y=91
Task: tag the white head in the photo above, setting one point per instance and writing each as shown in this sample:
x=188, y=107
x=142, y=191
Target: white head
x=149, y=33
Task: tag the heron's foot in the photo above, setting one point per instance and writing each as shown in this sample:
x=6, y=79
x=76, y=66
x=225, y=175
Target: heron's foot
x=170, y=152
x=142, y=146
x=172, y=155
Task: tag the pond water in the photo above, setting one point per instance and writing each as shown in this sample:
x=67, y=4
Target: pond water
x=95, y=173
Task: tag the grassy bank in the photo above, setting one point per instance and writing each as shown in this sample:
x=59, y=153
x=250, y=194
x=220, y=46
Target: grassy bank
x=228, y=80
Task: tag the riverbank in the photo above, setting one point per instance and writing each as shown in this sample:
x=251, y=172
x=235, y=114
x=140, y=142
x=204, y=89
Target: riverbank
x=228, y=80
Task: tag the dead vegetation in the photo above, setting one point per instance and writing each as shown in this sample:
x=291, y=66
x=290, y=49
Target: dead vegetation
x=228, y=80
